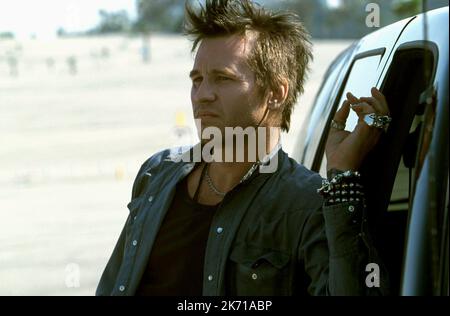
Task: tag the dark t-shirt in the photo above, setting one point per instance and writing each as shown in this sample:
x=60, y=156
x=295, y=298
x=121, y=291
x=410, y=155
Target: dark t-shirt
x=175, y=265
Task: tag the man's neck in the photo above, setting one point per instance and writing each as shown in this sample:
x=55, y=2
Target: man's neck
x=226, y=175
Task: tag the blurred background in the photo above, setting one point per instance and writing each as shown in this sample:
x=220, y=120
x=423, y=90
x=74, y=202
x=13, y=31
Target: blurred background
x=89, y=89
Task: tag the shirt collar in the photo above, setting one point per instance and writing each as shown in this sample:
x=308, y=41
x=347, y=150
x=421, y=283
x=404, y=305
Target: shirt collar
x=186, y=153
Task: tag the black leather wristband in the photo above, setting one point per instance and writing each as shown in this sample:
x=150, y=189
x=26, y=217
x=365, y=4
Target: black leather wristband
x=342, y=186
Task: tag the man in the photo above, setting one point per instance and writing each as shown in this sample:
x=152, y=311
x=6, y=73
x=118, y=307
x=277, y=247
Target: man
x=239, y=227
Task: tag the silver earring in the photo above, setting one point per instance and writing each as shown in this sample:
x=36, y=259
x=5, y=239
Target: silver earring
x=275, y=103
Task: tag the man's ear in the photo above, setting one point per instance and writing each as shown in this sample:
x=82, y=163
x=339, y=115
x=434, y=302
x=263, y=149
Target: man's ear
x=279, y=96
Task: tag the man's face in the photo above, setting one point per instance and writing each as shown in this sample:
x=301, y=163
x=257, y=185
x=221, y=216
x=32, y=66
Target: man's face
x=224, y=92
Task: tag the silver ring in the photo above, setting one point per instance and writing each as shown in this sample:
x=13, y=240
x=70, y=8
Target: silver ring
x=337, y=125
x=378, y=121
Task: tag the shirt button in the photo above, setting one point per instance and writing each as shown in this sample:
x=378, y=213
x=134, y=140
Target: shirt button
x=134, y=242
x=219, y=230
x=210, y=277
x=351, y=208
x=254, y=276
x=121, y=288
x=150, y=199
x=135, y=218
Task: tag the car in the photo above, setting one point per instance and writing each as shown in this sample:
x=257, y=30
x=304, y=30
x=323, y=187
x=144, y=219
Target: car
x=406, y=175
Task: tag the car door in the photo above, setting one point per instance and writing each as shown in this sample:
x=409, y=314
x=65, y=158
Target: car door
x=406, y=70
x=425, y=268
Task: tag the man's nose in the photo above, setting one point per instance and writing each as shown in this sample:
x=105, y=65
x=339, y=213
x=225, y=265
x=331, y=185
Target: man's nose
x=204, y=93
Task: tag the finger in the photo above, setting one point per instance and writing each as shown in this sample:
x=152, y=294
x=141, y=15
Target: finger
x=377, y=93
x=362, y=109
x=381, y=99
x=352, y=98
x=342, y=114
x=362, y=127
x=375, y=104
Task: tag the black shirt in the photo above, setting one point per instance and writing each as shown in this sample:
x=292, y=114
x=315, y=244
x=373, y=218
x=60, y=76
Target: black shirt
x=175, y=265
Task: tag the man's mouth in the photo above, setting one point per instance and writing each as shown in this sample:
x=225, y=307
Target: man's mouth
x=206, y=114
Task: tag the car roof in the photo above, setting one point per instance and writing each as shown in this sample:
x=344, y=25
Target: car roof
x=388, y=35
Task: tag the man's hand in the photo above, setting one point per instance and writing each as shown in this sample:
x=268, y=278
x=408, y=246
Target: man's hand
x=346, y=150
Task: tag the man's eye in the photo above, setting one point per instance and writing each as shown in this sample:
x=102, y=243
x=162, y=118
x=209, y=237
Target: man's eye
x=222, y=78
x=196, y=81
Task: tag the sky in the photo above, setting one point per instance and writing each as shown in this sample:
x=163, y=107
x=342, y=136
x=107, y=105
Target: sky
x=333, y=3
x=44, y=17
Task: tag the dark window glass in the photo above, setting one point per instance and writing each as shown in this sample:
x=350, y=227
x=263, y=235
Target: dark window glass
x=362, y=77
x=316, y=122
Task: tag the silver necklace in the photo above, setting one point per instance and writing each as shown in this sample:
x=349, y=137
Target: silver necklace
x=211, y=184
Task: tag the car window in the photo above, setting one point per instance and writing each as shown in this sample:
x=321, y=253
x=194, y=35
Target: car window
x=362, y=77
x=316, y=122
x=401, y=190
x=317, y=115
